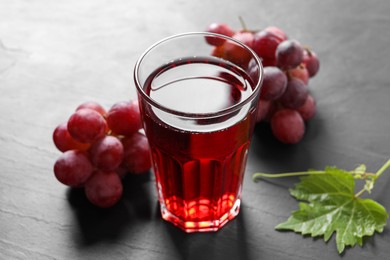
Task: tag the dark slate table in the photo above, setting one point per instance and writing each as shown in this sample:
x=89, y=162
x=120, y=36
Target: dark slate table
x=55, y=55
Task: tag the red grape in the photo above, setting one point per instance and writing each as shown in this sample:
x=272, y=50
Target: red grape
x=311, y=61
x=94, y=106
x=274, y=83
x=121, y=171
x=277, y=31
x=287, y=126
x=268, y=62
x=265, y=44
x=137, y=153
x=218, y=51
x=104, y=189
x=289, y=54
x=244, y=37
x=124, y=118
x=107, y=153
x=64, y=142
x=73, y=168
x=295, y=94
x=300, y=72
x=308, y=109
x=263, y=109
x=273, y=108
x=220, y=28
x=234, y=52
x=253, y=70
x=87, y=125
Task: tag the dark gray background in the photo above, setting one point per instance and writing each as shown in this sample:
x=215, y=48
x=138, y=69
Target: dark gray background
x=55, y=55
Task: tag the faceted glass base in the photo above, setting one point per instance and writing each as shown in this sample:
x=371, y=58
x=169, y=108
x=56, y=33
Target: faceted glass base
x=199, y=225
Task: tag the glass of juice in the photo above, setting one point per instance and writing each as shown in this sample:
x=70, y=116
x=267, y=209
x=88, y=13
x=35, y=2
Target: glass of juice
x=198, y=103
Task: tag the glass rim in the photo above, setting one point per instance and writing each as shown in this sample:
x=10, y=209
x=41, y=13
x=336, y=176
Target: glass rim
x=221, y=112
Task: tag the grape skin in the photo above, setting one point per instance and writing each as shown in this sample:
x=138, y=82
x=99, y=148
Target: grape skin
x=277, y=31
x=263, y=109
x=219, y=28
x=104, y=189
x=218, y=51
x=107, y=153
x=87, y=125
x=124, y=118
x=295, y=94
x=268, y=62
x=235, y=53
x=289, y=54
x=299, y=72
x=274, y=83
x=94, y=106
x=308, y=109
x=65, y=142
x=311, y=61
x=288, y=126
x=73, y=168
x=265, y=44
x=137, y=153
x=253, y=70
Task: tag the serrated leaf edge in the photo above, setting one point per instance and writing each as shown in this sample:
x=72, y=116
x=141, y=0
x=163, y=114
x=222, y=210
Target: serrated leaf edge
x=286, y=226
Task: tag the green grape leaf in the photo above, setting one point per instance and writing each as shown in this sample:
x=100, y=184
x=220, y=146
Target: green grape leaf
x=329, y=205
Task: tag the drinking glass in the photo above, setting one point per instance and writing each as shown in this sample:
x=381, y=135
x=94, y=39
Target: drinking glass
x=198, y=93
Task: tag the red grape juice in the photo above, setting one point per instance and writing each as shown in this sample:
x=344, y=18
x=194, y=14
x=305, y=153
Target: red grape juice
x=199, y=154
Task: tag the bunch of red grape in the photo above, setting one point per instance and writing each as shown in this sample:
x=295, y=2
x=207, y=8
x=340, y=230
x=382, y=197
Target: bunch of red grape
x=99, y=148
x=285, y=100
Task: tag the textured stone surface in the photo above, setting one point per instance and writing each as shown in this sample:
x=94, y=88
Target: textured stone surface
x=56, y=54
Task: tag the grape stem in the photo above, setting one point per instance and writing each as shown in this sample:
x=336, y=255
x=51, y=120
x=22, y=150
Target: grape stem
x=358, y=194
x=243, y=24
x=308, y=49
x=372, y=177
x=256, y=177
x=382, y=169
